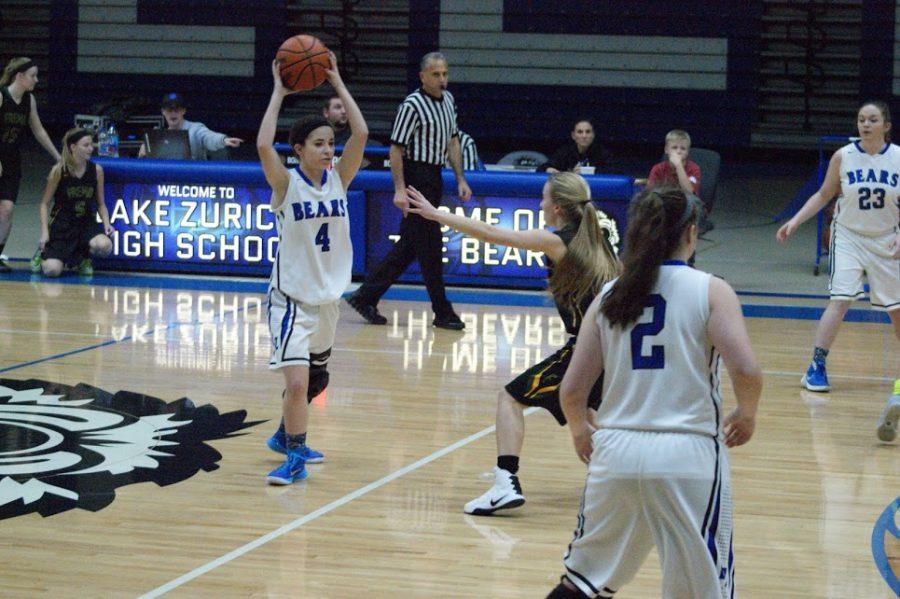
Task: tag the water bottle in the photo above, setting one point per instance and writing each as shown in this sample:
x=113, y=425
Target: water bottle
x=103, y=143
x=113, y=141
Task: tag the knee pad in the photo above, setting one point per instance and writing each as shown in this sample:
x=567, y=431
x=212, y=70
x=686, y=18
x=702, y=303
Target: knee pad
x=318, y=373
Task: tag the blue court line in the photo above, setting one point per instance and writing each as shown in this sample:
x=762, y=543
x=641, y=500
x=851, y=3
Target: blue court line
x=106, y=343
x=885, y=523
x=496, y=297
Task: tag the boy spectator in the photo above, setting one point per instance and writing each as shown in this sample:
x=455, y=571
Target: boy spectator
x=676, y=169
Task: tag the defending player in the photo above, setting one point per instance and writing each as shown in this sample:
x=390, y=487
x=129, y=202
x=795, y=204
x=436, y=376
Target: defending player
x=865, y=240
x=657, y=466
x=580, y=261
x=312, y=267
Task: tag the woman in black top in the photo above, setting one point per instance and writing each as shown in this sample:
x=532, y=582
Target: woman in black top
x=580, y=261
x=582, y=150
x=70, y=233
x=17, y=109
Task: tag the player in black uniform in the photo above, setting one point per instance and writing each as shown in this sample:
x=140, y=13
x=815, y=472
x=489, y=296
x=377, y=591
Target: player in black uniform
x=70, y=233
x=580, y=261
x=18, y=109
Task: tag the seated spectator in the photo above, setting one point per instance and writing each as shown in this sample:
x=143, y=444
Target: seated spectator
x=582, y=150
x=676, y=170
x=470, y=160
x=334, y=112
x=202, y=139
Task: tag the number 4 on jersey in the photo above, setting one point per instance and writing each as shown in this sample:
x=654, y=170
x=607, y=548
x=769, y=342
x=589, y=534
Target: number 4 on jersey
x=322, y=238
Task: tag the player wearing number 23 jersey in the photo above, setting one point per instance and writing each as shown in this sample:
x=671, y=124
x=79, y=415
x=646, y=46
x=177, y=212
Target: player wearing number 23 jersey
x=870, y=185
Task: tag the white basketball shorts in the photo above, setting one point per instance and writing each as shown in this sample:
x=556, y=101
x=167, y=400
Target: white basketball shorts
x=854, y=256
x=298, y=329
x=672, y=490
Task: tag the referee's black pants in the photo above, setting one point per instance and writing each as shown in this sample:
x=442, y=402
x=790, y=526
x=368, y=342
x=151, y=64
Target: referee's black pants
x=420, y=239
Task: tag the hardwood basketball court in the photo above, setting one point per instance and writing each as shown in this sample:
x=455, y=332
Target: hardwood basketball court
x=407, y=430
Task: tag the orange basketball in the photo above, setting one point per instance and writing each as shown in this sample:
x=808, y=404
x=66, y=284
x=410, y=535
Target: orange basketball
x=304, y=60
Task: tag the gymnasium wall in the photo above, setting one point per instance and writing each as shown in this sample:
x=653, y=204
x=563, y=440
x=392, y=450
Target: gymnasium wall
x=216, y=53
x=530, y=68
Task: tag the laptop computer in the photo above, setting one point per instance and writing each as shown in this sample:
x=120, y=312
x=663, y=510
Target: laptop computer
x=168, y=144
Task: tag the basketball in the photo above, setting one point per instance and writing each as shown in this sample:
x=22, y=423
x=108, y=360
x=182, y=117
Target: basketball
x=304, y=60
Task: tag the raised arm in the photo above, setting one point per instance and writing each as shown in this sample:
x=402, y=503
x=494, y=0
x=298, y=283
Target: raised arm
x=580, y=377
x=40, y=134
x=831, y=186
x=728, y=333
x=276, y=175
x=352, y=157
x=538, y=240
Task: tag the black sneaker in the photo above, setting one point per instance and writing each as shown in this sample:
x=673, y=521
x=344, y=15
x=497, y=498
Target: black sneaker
x=4, y=266
x=367, y=311
x=449, y=321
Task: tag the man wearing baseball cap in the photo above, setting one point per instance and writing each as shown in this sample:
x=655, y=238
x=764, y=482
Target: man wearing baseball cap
x=202, y=139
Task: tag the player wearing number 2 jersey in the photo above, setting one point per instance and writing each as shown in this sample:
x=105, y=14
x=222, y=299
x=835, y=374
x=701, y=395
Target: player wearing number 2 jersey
x=865, y=241
x=657, y=460
x=312, y=268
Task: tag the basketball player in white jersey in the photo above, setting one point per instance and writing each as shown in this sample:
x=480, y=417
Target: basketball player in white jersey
x=658, y=465
x=312, y=267
x=865, y=240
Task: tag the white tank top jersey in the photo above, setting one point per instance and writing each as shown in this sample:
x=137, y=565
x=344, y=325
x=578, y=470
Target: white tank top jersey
x=315, y=256
x=870, y=186
x=662, y=373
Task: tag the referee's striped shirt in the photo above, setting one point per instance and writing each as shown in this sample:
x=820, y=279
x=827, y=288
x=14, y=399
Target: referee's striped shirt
x=424, y=126
x=470, y=160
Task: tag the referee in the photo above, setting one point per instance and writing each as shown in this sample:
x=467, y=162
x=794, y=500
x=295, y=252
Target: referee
x=424, y=133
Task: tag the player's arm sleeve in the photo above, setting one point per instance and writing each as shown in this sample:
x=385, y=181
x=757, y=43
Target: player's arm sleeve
x=210, y=139
x=405, y=125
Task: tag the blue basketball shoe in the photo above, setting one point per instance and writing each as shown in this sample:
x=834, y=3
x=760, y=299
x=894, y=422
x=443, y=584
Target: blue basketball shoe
x=816, y=377
x=293, y=469
x=277, y=444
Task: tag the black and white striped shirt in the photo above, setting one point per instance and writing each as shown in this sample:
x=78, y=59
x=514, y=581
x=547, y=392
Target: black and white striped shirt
x=470, y=161
x=424, y=126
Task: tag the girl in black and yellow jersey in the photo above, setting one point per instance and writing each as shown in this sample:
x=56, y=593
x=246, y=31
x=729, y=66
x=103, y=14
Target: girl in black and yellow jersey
x=581, y=260
x=18, y=111
x=70, y=233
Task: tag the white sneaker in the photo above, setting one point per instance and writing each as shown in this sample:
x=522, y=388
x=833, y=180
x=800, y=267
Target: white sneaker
x=505, y=494
x=887, y=423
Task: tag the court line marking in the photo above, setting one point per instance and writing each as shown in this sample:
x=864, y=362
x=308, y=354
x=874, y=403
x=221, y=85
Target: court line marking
x=168, y=327
x=51, y=333
x=325, y=509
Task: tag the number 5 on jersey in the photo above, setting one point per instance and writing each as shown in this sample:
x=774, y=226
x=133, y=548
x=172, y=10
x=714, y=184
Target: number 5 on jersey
x=657, y=358
x=322, y=238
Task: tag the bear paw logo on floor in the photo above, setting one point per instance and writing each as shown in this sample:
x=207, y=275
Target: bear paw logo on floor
x=65, y=447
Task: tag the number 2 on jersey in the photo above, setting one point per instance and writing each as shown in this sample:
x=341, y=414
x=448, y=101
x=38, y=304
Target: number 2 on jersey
x=657, y=358
x=865, y=194
x=322, y=238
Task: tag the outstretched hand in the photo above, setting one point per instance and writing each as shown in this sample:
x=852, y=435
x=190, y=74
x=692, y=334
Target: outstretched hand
x=419, y=204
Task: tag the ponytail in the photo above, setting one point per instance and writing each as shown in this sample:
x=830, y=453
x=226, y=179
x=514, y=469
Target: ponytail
x=589, y=261
x=657, y=219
